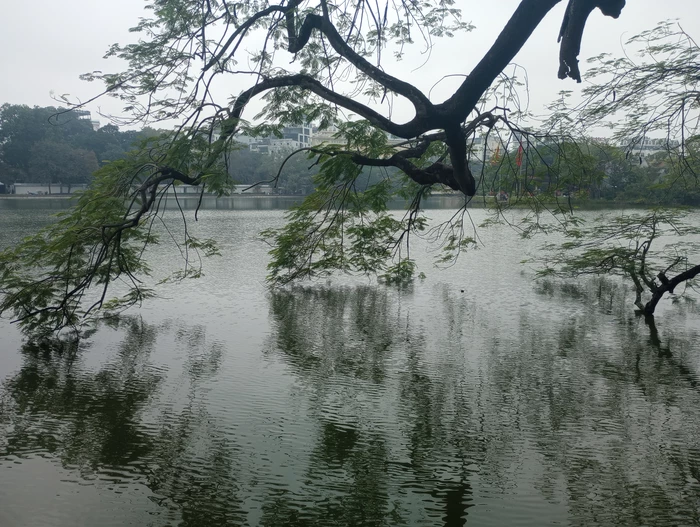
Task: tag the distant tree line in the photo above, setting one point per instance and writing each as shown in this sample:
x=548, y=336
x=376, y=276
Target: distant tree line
x=294, y=177
x=591, y=169
x=51, y=145
x=581, y=169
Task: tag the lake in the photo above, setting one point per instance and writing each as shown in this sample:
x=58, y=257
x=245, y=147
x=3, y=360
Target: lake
x=476, y=396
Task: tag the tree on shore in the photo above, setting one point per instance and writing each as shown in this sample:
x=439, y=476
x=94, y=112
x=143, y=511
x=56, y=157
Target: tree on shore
x=22, y=127
x=52, y=144
x=56, y=163
x=187, y=46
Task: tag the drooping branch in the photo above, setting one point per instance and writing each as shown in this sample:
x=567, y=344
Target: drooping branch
x=571, y=32
x=147, y=192
x=95, y=254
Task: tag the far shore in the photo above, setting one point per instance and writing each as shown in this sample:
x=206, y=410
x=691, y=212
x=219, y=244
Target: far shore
x=281, y=201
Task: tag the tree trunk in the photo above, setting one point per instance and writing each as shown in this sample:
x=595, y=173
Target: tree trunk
x=667, y=286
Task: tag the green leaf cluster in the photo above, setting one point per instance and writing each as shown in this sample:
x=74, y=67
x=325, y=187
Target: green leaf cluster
x=646, y=248
x=345, y=225
x=60, y=276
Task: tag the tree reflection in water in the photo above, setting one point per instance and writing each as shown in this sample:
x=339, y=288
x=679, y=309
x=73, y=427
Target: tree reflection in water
x=396, y=414
x=96, y=422
x=586, y=413
x=382, y=454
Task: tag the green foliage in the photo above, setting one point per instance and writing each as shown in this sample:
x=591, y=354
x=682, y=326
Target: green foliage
x=178, y=35
x=44, y=277
x=454, y=245
x=60, y=276
x=645, y=248
x=345, y=225
x=56, y=145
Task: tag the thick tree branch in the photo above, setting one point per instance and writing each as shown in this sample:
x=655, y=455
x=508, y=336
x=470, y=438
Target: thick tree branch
x=517, y=31
x=306, y=82
x=667, y=286
x=437, y=173
x=450, y=114
x=522, y=23
x=321, y=23
x=571, y=32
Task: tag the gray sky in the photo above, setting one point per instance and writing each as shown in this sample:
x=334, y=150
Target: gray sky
x=46, y=45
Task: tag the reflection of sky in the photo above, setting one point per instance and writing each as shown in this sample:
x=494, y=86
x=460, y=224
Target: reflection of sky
x=357, y=401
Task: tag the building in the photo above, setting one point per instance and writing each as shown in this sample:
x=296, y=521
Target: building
x=87, y=116
x=642, y=148
x=646, y=146
x=39, y=189
x=491, y=142
x=293, y=138
x=301, y=135
x=326, y=136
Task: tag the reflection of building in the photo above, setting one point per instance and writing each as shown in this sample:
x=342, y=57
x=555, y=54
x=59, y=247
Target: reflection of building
x=293, y=138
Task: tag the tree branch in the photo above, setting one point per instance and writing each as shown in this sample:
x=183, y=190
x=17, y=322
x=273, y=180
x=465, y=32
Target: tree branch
x=323, y=24
x=571, y=32
x=668, y=286
x=411, y=129
x=518, y=29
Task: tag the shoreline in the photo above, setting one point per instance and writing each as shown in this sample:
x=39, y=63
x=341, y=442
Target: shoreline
x=281, y=201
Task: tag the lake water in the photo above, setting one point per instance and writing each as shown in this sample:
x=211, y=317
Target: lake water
x=474, y=397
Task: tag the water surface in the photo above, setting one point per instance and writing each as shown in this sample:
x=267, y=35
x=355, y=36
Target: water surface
x=473, y=397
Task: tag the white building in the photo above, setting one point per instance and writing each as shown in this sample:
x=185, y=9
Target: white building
x=644, y=147
x=326, y=136
x=293, y=138
x=38, y=189
x=491, y=142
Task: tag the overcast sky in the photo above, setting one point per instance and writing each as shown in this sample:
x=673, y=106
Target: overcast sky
x=45, y=45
